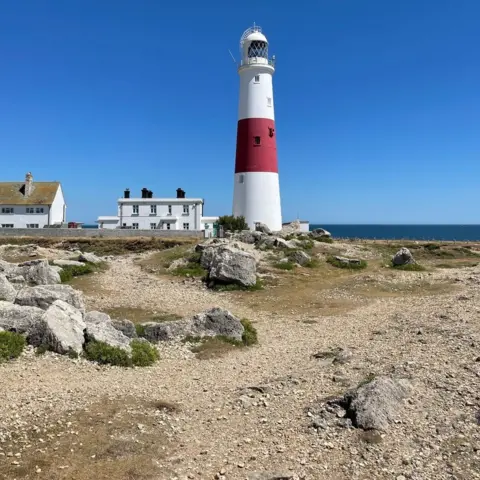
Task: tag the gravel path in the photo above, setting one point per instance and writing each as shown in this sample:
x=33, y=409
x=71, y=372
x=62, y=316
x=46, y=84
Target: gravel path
x=226, y=429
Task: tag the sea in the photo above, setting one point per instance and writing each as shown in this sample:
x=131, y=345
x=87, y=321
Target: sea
x=404, y=232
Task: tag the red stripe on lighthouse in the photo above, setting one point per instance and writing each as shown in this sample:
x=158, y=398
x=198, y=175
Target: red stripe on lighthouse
x=252, y=156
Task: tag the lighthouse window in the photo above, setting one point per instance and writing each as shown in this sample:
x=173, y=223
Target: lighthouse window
x=269, y=101
x=257, y=78
x=256, y=140
x=241, y=178
x=258, y=49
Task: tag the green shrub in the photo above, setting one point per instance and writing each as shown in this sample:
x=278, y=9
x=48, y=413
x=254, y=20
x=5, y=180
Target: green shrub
x=190, y=270
x=249, y=336
x=105, y=354
x=351, y=266
x=324, y=239
x=70, y=271
x=431, y=246
x=313, y=263
x=410, y=267
x=232, y=224
x=41, y=349
x=284, y=265
x=306, y=244
x=72, y=354
x=11, y=345
x=140, y=329
x=144, y=354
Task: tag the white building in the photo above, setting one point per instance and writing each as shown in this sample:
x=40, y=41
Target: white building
x=151, y=213
x=31, y=204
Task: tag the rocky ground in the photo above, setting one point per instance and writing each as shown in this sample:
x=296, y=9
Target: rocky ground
x=259, y=412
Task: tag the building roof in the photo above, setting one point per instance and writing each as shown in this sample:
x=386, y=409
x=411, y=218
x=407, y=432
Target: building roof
x=43, y=193
x=108, y=218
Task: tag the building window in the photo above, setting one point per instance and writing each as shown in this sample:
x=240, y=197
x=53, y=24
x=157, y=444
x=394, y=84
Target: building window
x=186, y=226
x=32, y=225
x=241, y=178
x=153, y=226
x=269, y=101
x=257, y=78
x=185, y=210
x=135, y=209
x=168, y=226
x=153, y=209
x=135, y=226
x=7, y=210
x=7, y=225
x=124, y=224
x=169, y=209
x=256, y=140
x=39, y=210
x=30, y=210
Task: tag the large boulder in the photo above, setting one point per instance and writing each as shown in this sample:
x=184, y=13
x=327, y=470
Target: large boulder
x=7, y=290
x=38, y=272
x=261, y=227
x=43, y=296
x=99, y=327
x=300, y=257
x=64, y=328
x=89, y=258
x=320, y=232
x=25, y=320
x=230, y=265
x=67, y=263
x=348, y=261
x=212, y=323
x=403, y=257
x=126, y=327
x=246, y=236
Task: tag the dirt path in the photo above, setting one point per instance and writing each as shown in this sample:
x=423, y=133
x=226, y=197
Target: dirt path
x=188, y=418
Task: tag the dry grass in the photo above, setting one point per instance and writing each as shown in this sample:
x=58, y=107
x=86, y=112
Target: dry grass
x=212, y=348
x=106, y=443
x=159, y=262
x=140, y=315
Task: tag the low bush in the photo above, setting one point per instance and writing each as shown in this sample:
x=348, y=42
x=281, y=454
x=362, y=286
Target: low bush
x=144, y=354
x=70, y=271
x=140, y=329
x=249, y=336
x=190, y=270
x=410, y=267
x=313, y=263
x=231, y=223
x=324, y=239
x=306, y=244
x=11, y=345
x=350, y=266
x=105, y=354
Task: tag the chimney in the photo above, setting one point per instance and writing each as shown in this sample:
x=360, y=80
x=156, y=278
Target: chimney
x=126, y=193
x=180, y=193
x=28, y=184
x=150, y=194
x=144, y=192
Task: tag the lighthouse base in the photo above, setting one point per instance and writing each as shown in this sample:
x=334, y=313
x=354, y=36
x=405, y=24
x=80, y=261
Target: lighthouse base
x=256, y=196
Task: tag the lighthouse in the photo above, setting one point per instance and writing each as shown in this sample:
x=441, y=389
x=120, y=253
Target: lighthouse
x=256, y=193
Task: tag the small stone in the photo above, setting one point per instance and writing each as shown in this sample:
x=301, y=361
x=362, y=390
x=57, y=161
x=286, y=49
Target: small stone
x=241, y=465
x=38, y=470
x=400, y=477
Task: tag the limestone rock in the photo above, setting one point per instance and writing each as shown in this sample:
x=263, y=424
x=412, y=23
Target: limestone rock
x=26, y=320
x=67, y=263
x=211, y=323
x=229, y=265
x=89, y=258
x=403, y=257
x=348, y=261
x=43, y=296
x=320, y=232
x=300, y=257
x=246, y=236
x=7, y=290
x=39, y=272
x=261, y=227
x=64, y=328
x=99, y=327
x=126, y=327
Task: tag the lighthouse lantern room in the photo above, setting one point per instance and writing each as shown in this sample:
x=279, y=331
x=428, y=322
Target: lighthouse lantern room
x=256, y=190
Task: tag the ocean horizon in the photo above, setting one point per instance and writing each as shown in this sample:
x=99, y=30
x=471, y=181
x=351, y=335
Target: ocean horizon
x=403, y=232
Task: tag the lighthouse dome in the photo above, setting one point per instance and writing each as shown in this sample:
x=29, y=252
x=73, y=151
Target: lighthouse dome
x=258, y=36
x=253, y=44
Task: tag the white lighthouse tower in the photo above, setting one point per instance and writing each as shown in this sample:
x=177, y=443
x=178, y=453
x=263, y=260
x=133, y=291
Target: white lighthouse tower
x=256, y=191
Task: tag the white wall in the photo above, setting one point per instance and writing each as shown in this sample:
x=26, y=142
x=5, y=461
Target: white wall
x=108, y=224
x=253, y=100
x=161, y=218
x=20, y=218
x=58, y=209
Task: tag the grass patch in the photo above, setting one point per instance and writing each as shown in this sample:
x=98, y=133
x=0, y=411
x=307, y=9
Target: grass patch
x=140, y=329
x=232, y=287
x=144, y=354
x=410, y=267
x=349, y=266
x=71, y=271
x=324, y=239
x=457, y=265
x=190, y=270
x=249, y=336
x=313, y=263
x=284, y=265
x=11, y=345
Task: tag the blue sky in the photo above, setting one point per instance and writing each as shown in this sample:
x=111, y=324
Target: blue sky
x=377, y=103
